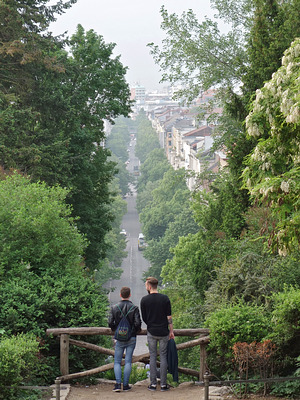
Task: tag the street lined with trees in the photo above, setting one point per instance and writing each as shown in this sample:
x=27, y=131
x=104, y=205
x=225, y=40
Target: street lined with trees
x=227, y=257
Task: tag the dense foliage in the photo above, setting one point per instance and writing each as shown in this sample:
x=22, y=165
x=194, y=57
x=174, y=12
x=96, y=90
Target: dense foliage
x=244, y=256
x=273, y=167
x=147, y=139
x=18, y=362
x=53, y=106
x=60, y=214
x=163, y=202
x=43, y=283
x=227, y=257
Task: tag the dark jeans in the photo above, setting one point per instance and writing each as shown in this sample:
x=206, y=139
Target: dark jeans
x=163, y=345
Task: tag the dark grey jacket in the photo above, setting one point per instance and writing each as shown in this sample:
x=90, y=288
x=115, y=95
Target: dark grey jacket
x=133, y=317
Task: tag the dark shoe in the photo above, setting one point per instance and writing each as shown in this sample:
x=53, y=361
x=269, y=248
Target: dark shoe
x=127, y=387
x=152, y=388
x=117, y=387
x=164, y=388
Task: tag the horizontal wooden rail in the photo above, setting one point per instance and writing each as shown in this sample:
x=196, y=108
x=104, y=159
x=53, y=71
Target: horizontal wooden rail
x=103, y=350
x=200, y=335
x=91, y=346
x=258, y=380
x=141, y=358
x=206, y=383
x=109, y=332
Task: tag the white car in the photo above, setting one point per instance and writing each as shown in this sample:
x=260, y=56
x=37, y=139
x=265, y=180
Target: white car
x=123, y=232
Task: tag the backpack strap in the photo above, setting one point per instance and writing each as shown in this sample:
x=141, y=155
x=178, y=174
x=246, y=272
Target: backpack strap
x=120, y=310
x=127, y=312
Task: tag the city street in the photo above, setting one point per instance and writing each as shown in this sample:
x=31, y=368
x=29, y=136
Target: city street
x=134, y=264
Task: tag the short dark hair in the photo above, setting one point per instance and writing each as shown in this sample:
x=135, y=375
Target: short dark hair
x=152, y=281
x=125, y=292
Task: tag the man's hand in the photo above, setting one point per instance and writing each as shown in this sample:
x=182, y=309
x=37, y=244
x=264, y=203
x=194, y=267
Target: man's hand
x=170, y=322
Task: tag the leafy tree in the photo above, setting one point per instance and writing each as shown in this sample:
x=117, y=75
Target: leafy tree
x=272, y=172
x=159, y=250
x=167, y=202
x=118, y=139
x=197, y=54
x=153, y=168
x=99, y=93
x=274, y=26
x=123, y=176
x=25, y=43
x=117, y=145
x=146, y=139
x=109, y=267
x=221, y=208
x=145, y=197
x=36, y=229
x=55, y=131
x=194, y=261
x=32, y=303
x=43, y=283
x=238, y=13
x=252, y=273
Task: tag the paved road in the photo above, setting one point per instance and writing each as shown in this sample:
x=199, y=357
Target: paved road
x=134, y=264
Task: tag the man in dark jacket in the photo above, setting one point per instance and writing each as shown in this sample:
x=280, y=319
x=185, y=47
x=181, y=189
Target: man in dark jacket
x=124, y=308
x=156, y=313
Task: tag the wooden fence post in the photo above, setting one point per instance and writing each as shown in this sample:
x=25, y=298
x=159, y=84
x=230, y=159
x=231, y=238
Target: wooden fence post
x=64, y=354
x=206, y=386
x=202, y=361
x=57, y=389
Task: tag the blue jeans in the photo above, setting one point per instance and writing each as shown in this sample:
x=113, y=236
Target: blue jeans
x=163, y=347
x=119, y=351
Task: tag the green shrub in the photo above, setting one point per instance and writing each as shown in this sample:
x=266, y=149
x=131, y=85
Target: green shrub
x=138, y=373
x=18, y=363
x=286, y=335
x=43, y=281
x=34, y=304
x=288, y=388
x=286, y=319
x=37, y=232
x=239, y=323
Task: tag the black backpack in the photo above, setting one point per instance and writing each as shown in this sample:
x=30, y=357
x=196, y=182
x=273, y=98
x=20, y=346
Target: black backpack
x=124, y=331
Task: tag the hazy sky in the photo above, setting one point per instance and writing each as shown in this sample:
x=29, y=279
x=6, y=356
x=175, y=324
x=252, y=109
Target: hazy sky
x=131, y=24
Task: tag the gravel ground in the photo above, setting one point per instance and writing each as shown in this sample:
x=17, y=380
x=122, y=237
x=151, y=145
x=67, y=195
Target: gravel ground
x=139, y=391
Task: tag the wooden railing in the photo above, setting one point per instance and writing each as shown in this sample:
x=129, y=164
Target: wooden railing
x=201, y=339
x=206, y=383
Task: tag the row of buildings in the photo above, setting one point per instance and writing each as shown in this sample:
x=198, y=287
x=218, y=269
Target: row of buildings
x=186, y=139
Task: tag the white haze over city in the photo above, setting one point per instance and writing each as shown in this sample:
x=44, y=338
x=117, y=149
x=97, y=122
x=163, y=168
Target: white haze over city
x=131, y=24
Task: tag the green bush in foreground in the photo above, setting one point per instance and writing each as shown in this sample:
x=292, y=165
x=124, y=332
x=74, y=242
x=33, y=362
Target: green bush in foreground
x=18, y=362
x=239, y=323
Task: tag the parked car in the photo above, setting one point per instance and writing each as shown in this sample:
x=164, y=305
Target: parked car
x=141, y=242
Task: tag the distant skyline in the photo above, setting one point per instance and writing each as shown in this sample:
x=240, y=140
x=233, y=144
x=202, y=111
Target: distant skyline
x=131, y=25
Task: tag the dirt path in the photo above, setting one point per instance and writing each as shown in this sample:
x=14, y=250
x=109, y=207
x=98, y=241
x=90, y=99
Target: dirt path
x=103, y=391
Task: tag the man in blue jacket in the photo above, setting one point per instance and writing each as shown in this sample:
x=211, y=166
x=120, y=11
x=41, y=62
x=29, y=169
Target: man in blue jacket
x=156, y=313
